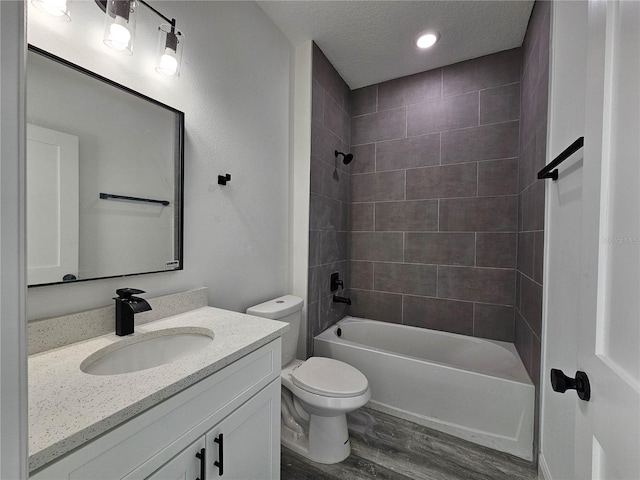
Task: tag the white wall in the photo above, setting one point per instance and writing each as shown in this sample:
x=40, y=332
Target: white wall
x=235, y=91
x=13, y=353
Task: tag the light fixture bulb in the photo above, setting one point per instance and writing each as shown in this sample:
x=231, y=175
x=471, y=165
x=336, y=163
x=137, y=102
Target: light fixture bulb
x=169, y=51
x=168, y=64
x=55, y=8
x=119, y=34
x=427, y=40
x=120, y=25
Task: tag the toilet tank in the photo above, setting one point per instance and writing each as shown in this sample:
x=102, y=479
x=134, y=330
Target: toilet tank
x=286, y=309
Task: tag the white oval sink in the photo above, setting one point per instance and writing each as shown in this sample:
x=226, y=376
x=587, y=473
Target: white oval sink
x=147, y=350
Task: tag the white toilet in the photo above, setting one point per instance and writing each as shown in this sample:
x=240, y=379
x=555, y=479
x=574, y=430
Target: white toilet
x=316, y=393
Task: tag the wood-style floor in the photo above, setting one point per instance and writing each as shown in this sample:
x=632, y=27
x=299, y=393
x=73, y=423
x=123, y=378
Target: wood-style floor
x=388, y=448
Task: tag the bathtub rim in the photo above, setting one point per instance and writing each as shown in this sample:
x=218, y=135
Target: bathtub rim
x=329, y=336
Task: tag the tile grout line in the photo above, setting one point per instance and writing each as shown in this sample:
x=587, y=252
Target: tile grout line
x=475, y=250
x=419, y=167
x=473, y=320
x=406, y=122
x=432, y=297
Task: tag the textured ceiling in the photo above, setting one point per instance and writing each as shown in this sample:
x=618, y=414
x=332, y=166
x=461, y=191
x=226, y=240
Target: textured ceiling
x=373, y=41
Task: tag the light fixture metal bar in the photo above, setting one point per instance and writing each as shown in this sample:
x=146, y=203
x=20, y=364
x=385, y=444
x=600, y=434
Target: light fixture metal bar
x=103, y=5
x=172, y=21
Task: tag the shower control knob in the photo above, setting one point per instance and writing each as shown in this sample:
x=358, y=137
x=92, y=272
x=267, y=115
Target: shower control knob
x=561, y=383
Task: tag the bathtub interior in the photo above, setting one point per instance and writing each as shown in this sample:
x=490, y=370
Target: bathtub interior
x=490, y=357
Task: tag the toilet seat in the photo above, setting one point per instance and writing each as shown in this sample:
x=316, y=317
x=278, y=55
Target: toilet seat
x=329, y=377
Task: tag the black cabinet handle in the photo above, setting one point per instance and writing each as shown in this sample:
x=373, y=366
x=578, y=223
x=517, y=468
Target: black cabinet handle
x=561, y=383
x=203, y=464
x=220, y=462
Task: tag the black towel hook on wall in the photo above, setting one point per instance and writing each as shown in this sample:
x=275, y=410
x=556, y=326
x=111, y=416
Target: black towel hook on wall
x=223, y=179
x=547, y=172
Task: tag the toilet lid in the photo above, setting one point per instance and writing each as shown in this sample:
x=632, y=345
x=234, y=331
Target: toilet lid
x=329, y=377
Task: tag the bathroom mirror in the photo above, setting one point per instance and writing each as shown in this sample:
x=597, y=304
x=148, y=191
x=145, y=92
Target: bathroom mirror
x=104, y=176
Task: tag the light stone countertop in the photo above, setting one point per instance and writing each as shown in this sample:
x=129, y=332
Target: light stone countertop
x=67, y=407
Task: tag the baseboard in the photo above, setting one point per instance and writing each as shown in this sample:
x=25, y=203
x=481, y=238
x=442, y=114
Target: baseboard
x=543, y=468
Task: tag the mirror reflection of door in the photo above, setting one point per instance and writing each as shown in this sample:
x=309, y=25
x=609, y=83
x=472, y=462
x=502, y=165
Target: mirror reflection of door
x=52, y=199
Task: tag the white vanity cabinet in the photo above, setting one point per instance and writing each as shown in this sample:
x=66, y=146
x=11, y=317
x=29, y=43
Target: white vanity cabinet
x=239, y=448
x=241, y=402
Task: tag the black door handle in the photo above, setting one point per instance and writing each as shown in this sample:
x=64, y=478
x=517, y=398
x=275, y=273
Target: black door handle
x=220, y=462
x=561, y=383
x=201, y=457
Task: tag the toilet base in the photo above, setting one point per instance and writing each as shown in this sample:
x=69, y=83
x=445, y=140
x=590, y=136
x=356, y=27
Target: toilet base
x=326, y=442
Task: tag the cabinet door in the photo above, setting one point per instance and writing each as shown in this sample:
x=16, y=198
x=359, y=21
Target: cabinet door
x=246, y=444
x=184, y=466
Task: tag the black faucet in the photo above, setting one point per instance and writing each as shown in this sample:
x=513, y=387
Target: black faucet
x=126, y=307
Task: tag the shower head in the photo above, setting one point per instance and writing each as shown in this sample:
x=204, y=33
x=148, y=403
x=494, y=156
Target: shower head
x=347, y=157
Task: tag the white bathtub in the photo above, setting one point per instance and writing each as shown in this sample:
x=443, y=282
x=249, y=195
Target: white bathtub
x=469, y=387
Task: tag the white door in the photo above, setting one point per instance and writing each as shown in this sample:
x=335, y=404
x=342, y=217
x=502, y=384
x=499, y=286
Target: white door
x=608, y=426
x=246, y=444
x=52, y=205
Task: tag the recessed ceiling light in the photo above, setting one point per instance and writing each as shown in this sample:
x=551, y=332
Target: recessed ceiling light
x=427, y=40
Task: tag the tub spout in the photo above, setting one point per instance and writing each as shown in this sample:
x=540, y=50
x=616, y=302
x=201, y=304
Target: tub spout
x=339, y=299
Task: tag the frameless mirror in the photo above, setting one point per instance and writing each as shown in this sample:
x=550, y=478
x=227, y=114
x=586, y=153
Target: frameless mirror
x=104, y=176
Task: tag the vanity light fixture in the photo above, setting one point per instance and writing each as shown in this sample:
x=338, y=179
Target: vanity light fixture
x=55, y=8
x=427, y=39
x=119, y=30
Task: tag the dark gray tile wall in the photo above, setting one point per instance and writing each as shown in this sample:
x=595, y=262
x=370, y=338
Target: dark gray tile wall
x=439, y=220
x=329, y=202
x=434, y=198
x=532, y=146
